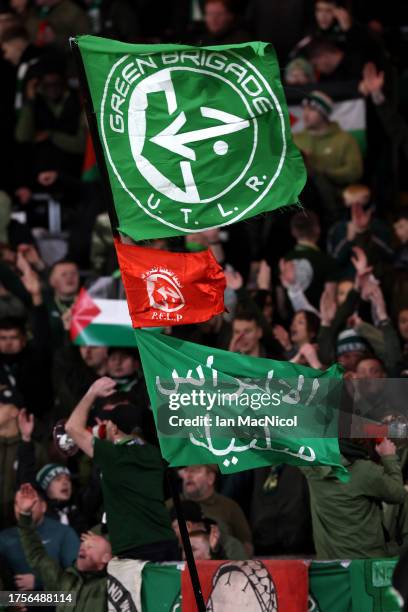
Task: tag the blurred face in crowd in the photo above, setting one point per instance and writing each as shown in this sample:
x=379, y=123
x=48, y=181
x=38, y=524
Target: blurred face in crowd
x=217, y=17
x=312, y=118
x=324, y=14
x=13, y=50
x=19, y=6
x=403, y=323
x=60, y=488
x=64, y=279
x=401, y=230
x=198, y=482
x=7, y=20
x=190, y=527
x=342, y=291
x=370, y=371
x=121, y=364
x=370, y=368
x=12, y=341
x=200, y=544
x=95, y=357
x=37, y=511
x=326, y=62
x=350, y=360
x=52, y=87
x=297, y=76
x=111, y=430
x=8, y=415
x=247, y=334
x=94, y=553
x=298, y=329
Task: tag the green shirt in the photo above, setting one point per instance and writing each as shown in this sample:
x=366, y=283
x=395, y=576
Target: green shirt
x=132, y=485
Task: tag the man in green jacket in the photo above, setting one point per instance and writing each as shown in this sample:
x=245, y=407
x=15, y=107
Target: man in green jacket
x=86, y=580
x=332, y=156
x=347, y=517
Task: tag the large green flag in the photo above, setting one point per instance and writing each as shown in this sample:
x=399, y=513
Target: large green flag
x=240, y=412
x=193, y=137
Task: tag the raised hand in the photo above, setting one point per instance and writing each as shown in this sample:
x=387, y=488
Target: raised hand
x=29, y=278
x=66, y=318
x=360, y=261
x=386, y=448
x=263, y=278
x=103, y=387
x=372, y=81
x=343, y=18
x=372, y=291
x=233, y=278
x=25, y=424
x=282, y=336
x=328, y=306
x=31, y=255
x=309, y=352
x=24, y=582
x=26, y=497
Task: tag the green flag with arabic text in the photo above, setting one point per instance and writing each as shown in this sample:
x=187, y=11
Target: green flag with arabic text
x=193, y=137
x=240, y=412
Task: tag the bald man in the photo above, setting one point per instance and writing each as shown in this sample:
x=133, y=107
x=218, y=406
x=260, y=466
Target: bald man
x=87, y=579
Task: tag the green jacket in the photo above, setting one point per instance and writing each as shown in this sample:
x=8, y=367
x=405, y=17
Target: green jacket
x=347, y=517
x=334, y=154
x=90, y=588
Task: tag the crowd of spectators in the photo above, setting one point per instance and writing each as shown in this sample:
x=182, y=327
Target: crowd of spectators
x=324, y=283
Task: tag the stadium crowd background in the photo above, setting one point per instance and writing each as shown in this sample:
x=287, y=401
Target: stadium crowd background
x=323, y=284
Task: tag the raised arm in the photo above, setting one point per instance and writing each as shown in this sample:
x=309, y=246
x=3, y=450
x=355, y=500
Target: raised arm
x=76, y=424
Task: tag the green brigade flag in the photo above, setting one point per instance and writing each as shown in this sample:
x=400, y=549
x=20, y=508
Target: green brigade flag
x=192, y=137
x=240, y=412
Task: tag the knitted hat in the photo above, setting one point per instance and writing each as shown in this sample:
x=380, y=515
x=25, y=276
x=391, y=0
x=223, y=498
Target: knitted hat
x=50, y=471
x=320, y=102
x=300, y=64
x=349, y=340
x=10, y=395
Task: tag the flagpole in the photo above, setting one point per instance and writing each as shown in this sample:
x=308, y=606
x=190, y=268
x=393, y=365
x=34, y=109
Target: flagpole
x=107, y=191
x=192, y=568
x=93, y=128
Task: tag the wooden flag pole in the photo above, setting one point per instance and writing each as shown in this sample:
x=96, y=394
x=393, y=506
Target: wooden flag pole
x=192, y=568
x=93, y=128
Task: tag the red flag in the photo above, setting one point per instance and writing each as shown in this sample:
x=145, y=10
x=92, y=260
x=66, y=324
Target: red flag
x=165, y=288
x=253, y=586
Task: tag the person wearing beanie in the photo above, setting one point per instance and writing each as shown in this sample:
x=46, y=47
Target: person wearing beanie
x=55, y=481
x=332, y=156
x=299, y=72
x=351, y=349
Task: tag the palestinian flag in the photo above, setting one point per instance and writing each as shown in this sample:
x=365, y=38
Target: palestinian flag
x=89, y=169
x=101, y=322
x=349, y=114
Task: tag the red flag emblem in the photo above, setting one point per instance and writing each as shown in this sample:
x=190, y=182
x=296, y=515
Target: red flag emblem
x=165, y=288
